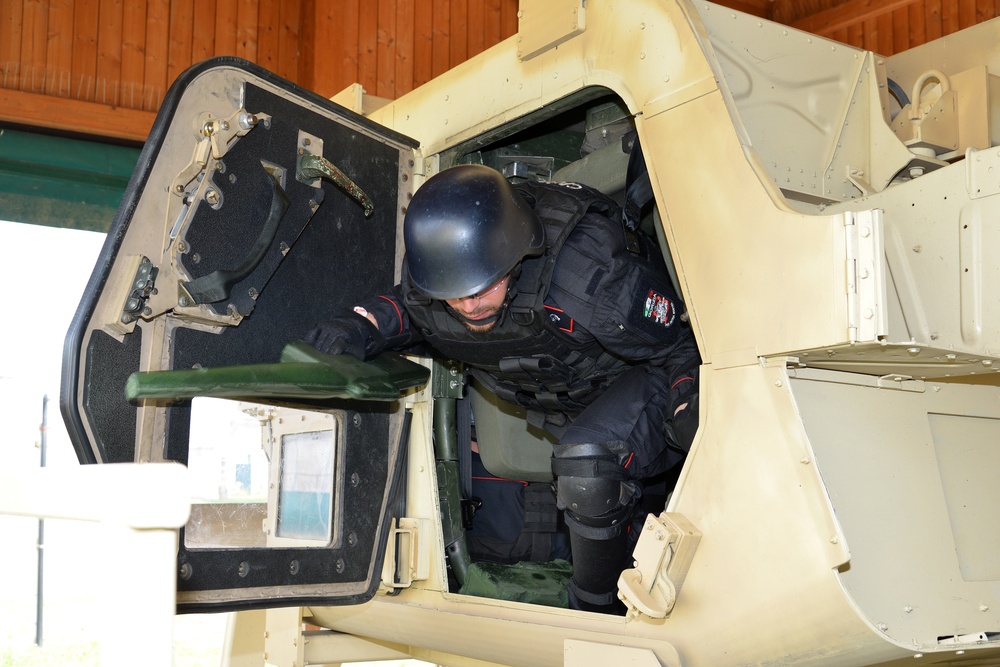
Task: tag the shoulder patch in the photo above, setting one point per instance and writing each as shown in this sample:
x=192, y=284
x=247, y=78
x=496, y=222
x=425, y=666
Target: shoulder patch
x=659, y=309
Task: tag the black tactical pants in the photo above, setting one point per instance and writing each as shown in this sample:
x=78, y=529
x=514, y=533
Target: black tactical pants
x=624, y=437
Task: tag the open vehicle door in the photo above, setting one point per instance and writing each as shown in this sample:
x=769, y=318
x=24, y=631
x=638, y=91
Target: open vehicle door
x=257, y=210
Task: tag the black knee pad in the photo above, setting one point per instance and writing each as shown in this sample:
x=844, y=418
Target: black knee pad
x=590, y=483
x=594, y=489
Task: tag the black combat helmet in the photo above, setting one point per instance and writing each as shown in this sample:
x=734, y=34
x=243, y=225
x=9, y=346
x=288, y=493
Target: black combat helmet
x=466, y=228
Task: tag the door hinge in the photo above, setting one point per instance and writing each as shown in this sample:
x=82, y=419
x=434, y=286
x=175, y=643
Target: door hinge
x=662, y=556
x=866, y=298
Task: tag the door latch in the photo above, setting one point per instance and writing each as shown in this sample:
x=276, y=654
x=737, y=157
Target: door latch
x=141, y=288
x=662, y=556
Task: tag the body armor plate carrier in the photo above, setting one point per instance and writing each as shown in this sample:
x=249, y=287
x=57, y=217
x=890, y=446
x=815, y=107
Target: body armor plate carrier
x=525, y=359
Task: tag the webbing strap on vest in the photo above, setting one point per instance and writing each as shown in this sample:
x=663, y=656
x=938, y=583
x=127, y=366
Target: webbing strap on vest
x=529, y=369
x=588, y=468
x=526, y=305
x=542, y=406
x=541, y=520
x=562, y=212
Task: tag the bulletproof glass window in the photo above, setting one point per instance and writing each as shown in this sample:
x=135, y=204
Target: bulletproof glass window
x=263, y=476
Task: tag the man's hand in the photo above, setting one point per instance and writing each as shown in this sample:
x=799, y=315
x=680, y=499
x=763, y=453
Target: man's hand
x=352, y=334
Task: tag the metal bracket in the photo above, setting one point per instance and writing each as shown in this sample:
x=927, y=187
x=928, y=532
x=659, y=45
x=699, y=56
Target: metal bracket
x=662, y=555
x=931, y=127
x=446, y=380
x=529, y=168
x=218, y=134
x=981, y=169
x=412, y=560
x=901, y=382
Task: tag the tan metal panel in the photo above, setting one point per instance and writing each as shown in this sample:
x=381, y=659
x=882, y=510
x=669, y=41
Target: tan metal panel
x=545, y=24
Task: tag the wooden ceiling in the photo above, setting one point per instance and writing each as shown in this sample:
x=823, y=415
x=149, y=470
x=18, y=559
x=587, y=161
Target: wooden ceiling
x=101, y=67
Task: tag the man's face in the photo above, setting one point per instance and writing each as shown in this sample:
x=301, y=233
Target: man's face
x=481, y=306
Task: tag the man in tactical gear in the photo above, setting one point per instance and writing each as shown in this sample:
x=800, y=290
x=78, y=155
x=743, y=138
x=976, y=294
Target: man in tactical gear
x=553, y=304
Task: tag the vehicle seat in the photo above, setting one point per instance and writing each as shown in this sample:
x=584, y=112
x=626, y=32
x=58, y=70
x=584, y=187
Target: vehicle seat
x=508, y=445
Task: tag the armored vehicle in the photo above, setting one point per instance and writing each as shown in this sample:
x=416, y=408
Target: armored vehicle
x=828, y=214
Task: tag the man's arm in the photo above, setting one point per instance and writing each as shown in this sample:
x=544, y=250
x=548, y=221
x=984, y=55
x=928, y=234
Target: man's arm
x=367, y=329
x=386, y=312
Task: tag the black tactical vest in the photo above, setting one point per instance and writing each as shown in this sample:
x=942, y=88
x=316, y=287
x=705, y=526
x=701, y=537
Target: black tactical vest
x=526, y=359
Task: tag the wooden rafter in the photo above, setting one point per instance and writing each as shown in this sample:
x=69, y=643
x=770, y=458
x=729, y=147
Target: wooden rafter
x=790, y=11
x=103, y=66
x=841, y=14
x=760, y=8
x=59, y=113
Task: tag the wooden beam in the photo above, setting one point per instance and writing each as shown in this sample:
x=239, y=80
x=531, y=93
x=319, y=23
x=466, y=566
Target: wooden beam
x=385, y=50
x=11, y=24
x=133, y=55
x=77, y=116
x=288, y=40
x=790, y=11
x=404, y=47
x=900, y=31
x=932, y=19
x=84, y=68
x=918, y=34
x=155, y=81
x=847, y=14
x=440, y=49
x=760, y=8
x=202, y=30
x=459, y=40
x=109, y=52
x=246, y=29
x=493, y=22
x=368, y=46
x=508, y=19
x=224, y=43
x=268, y=31
x=59, y=52
x=33, y=47
x=476, y=36
x=423, y=43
